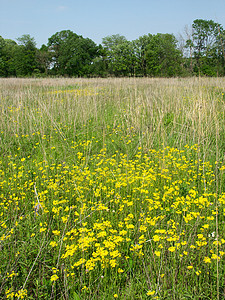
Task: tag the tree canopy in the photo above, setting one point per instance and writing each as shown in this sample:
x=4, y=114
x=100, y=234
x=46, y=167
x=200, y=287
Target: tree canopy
x=69, y=54
x=72, y=54
x=206, y=45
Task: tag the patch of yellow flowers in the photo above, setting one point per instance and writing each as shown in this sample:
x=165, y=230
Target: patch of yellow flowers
x=106, y=210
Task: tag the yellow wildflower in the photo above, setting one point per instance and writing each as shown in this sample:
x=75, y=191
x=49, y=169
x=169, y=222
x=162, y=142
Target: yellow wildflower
x=54, y=278
x=150, y=293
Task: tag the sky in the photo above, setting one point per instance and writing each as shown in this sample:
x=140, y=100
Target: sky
x=96, y=19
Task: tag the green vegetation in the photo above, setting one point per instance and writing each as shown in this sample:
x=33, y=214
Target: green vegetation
x=199, y=52
x=112, y=188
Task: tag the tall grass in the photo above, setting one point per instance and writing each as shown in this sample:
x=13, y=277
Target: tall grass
x=112, y=188
x=175, y=112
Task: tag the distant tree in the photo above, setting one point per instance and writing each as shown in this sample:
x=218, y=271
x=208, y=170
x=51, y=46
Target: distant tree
x=120, y=55
x=44, y=57
x=72, y=54
x=207, y=45
x=99, y=65
x=8, y=49
x=27, y=41
x=124, y=59
x=140, y=49
x=25, y=56
x=205, y=36
x=162, y=56
x=109, y=44
x=2, y=58
x=111, y=41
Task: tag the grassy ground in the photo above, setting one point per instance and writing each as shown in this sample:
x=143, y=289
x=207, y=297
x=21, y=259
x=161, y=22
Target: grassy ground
x=112, y=188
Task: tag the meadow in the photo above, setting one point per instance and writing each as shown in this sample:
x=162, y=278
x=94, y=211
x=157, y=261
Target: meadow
x=112, y=188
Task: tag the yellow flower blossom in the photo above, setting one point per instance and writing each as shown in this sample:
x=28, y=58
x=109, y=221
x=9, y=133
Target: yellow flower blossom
x=171, y=249
x=207, y=260
x=54, y=278
x=150, y=293
x=56, y=232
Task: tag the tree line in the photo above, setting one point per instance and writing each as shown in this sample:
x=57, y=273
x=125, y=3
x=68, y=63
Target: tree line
x=200, y=51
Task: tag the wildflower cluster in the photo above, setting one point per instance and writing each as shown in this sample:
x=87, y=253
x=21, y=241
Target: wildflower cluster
x=75, y=92
x=107, y=195
x=111, y=214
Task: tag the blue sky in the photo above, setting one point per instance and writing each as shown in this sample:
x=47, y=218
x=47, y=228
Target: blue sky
x=96, y=19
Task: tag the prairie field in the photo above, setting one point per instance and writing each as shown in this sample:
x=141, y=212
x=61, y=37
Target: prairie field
x=112, y=188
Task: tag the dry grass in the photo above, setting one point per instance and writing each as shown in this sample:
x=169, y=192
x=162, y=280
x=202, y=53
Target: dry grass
x=170, y=111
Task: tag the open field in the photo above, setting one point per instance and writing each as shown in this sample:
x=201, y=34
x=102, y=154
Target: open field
x=112, y=188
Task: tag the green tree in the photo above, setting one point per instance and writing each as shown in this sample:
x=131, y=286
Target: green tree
x=109, y=42
x=120, y=55
x=208, y=46
x=2, y=58
x=25, y=56
x=163, y=57
x=8, y=49
x=72, y=54
x=140, y=48
x=99, y=65
x=44, y=57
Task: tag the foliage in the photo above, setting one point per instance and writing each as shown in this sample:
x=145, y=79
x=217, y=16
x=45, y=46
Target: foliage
x=202, y=52
x=71, y=54
x=8, y=49
x=25, y=56
x=118, y=55
x=140, y=50
x=44, y=59
x=207, y=43
x=163, y=57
